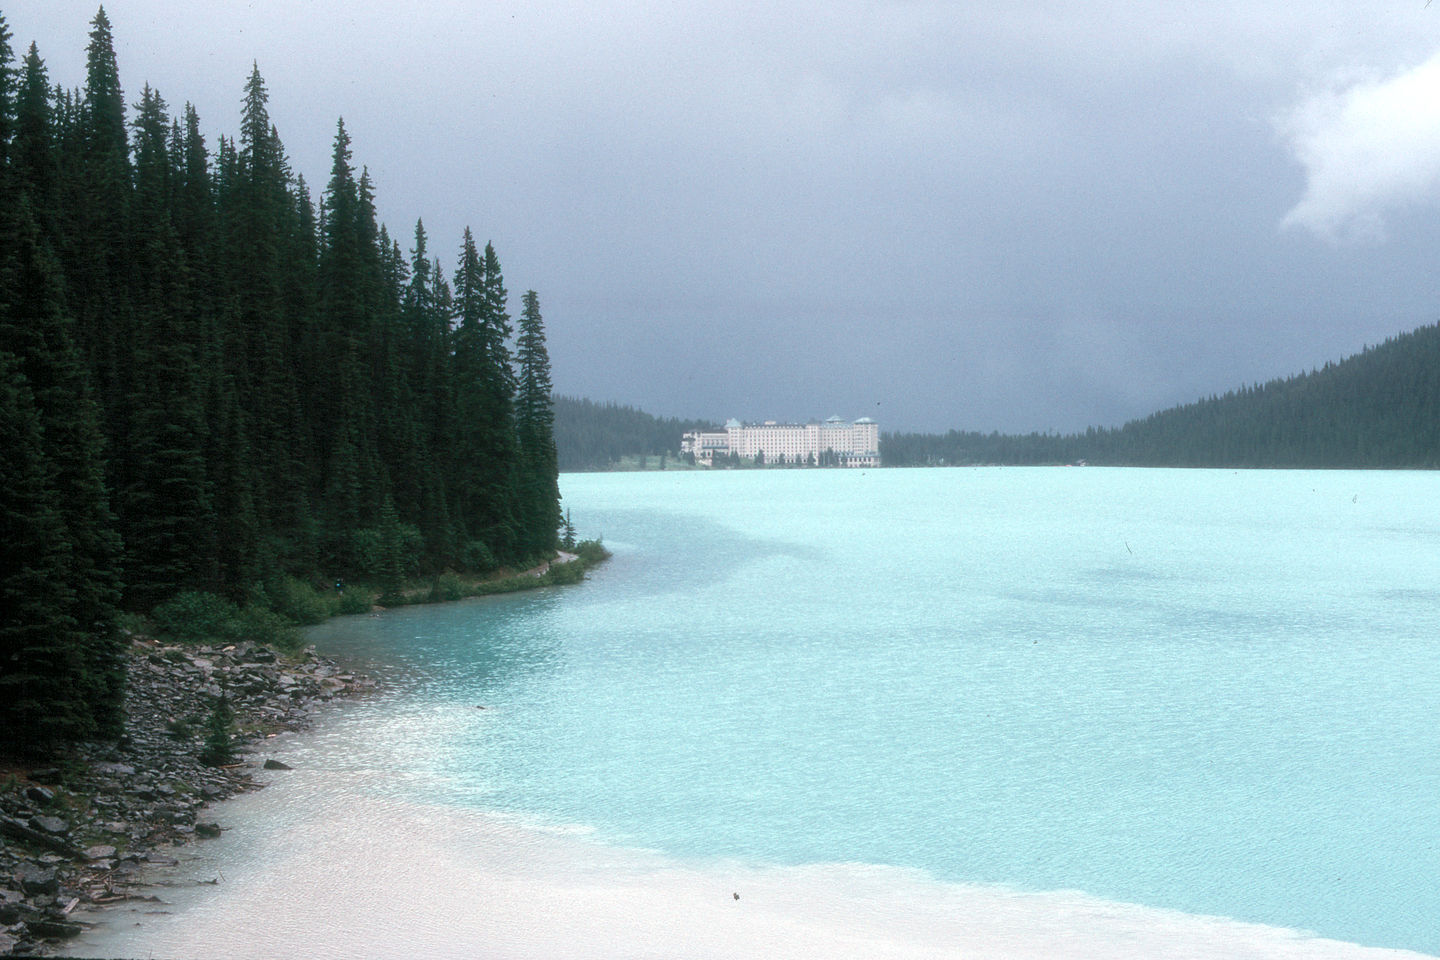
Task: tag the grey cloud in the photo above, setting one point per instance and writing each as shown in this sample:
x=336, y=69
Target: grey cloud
x=988, y=216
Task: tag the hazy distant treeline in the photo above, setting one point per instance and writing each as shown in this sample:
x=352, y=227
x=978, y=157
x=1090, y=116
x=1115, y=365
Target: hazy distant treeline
x=592, y=436
x=1379, y=408
x=208, y=382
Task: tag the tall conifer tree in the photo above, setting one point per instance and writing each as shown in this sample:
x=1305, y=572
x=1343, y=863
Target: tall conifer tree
x=97, y=247
x=165, y=510
x=484, y=476
x=535, y=430
x=34, y=324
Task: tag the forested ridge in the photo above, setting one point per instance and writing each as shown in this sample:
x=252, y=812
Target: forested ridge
x=211, y=380
x=1377, y=409
x=594, y=436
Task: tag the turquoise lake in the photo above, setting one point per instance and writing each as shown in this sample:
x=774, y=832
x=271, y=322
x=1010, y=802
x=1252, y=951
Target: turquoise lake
x=1211, y=692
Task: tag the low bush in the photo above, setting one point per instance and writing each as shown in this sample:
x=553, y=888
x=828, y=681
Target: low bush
x=193, y=616
x=259, y=625
x=297, y=601
x=394, y=598
x=591, y=551
x=561, y=574
x=448, y=586
x=351, y=601
x=219, y=749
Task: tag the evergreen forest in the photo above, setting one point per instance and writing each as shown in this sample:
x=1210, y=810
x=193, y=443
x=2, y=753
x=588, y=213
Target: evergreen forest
x=213, y=381
x=1377, y=409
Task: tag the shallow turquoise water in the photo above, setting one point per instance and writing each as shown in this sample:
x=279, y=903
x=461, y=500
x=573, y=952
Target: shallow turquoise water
x=1202, y=690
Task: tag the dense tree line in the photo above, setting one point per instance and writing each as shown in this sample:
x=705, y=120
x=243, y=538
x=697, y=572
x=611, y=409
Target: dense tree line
x=593, y=436
x=1377, y=409
x=208, y=380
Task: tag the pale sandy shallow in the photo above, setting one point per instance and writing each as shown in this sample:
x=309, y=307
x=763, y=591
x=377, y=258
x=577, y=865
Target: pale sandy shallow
x=312, y=868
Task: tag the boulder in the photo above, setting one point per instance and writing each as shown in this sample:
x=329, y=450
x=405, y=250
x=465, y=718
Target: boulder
x=101, y=851
x=34, y=878
x=115, y=769
x=44, y=796
x=54, y=928
x=273, y=764
x=51, y=825
x=209, y=831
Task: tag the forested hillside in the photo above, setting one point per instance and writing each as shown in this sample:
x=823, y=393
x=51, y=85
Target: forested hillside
x=1379, y=408
x=211, y=380
x=592, y=436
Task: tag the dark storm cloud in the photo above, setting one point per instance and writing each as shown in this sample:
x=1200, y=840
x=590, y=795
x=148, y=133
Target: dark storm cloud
x=1016, y=217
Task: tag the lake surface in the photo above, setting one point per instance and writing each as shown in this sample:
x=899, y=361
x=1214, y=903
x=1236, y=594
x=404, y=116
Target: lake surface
x=1026, y=712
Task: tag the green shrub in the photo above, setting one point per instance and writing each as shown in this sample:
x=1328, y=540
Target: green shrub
x=193, y=616
x=297, y=601
x=218, y=749
x=350, y=602
x=591, y=551
x=561, y=574
x=259, y=625
x=447, y=586
x=133, y=623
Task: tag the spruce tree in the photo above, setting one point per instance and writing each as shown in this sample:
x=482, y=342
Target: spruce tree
x=8, y=85
x=343, y=338
x=483, y=474
x=39, y=639
x=427, y=359
x=35, y=326
x=165, y=510
x=33, y=166
x=535, y=430
x=97, y=244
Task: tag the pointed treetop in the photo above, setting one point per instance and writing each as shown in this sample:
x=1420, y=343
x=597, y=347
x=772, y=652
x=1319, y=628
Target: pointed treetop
x=7, y=86
x=254, y=119
x=104, y=100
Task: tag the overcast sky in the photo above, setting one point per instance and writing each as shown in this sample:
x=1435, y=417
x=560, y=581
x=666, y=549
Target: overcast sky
x=1004, y=215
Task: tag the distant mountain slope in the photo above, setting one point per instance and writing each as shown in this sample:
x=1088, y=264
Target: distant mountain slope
x=1379, y=408
x=592, y=436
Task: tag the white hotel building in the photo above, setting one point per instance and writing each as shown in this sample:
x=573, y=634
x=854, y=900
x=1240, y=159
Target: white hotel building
x=848, y=444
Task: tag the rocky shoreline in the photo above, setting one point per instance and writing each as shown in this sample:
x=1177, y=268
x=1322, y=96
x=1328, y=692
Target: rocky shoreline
x=82, y=833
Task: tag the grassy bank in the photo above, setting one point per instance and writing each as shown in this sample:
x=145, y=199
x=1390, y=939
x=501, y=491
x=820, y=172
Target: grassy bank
x=275, y=612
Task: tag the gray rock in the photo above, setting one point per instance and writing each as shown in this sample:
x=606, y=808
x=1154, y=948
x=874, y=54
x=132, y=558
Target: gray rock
x=54, y=928
x=41, y=795
x=273, y=764
x=207, y=830
x=53, y=825
x=101, y=851
x=120, y=769
x=34, y=878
